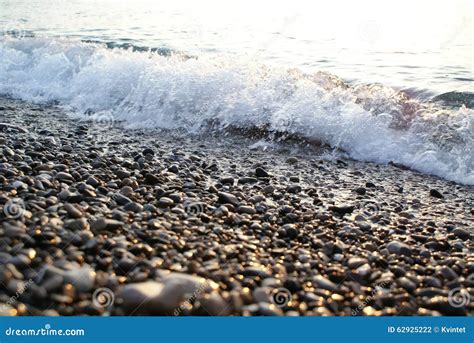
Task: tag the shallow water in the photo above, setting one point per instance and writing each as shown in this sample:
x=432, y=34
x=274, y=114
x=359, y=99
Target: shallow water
x=261, y=67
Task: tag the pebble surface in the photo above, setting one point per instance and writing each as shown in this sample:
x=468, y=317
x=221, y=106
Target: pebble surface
x=183, y=225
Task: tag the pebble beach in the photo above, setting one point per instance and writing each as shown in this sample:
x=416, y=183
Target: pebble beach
x=98, y=220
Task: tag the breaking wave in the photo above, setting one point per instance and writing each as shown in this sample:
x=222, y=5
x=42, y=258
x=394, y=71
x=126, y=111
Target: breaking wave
x=148, y=88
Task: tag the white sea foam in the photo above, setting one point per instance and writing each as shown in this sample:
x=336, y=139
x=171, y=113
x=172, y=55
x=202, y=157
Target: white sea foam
x=371, y=123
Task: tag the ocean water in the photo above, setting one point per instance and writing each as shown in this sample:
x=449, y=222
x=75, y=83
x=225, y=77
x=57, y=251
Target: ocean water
x=366, y=77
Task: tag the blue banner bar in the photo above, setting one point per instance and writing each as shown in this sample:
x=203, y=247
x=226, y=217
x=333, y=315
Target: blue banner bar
x=237, y=329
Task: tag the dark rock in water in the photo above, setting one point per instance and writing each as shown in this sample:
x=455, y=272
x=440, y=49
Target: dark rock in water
x=435, y=193
x=227, y=198
x=260, y=172
x=456, y=99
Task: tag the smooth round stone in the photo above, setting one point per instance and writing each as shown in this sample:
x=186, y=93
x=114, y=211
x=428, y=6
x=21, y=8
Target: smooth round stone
x=92, y=181
x=407, y=284
x=448, y=273
x=256, y=271
x=77, y=224
x=148, y=151
x=261, y=294
x=246, y=209
x=166, y=297
x=399, y=248
x=260, y=172
x=268, y=189
x=246, y=179
x=120, y=199
x=73, y=211
x=290, y=231
x=165, y=202
x=133, y=207
x=64, y=176
x=461, y=233
x=227, y=198
x=105, y=223
x=322, y=282
x=355, y=262
x=227, y=180
x=81, y=277
x=126, y=191
x=151, y=179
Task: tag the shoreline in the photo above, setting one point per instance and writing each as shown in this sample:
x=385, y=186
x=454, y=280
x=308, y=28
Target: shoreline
x=118, y=222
